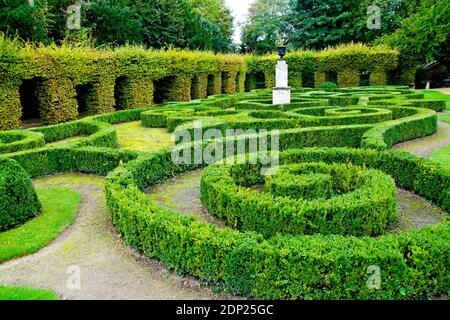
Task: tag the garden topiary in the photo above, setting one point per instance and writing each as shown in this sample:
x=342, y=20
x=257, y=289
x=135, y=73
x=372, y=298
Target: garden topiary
x=18, y=198
x=328, y=86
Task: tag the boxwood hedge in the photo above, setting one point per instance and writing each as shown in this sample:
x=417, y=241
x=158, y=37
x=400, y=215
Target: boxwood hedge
x=360, y=202
x=413, y=264
x=18, y=199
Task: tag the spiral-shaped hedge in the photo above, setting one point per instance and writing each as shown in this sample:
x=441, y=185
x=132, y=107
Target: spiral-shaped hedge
x=303, y=198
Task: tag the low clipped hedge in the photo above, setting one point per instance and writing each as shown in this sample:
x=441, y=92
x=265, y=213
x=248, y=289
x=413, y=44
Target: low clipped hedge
x=326, y=116
x=13, y=141
x=298, y=128
x=360, y=202
x=436, y=105
x=412, y=264
x=328, y=86
x=18, y=198
x=416, y=124
x=97, y=133
x=92, y=160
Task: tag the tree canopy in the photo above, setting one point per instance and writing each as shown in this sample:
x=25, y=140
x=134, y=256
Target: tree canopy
x=265, y=24
x=192, y=24
x=418, y=28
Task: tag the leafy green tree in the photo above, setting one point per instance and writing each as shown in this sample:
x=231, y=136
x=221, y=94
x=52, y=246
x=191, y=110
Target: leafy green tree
x=423, y=37
x=317, y=24
x=215, y=12
x=392, y=12
x=29, y=22
x=266, y=23
x=113, y=23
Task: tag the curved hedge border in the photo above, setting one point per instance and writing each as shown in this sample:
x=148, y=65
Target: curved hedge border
x=325, y=116
x=359, y=201
x=413, y=264
x=423, y=123
x=13, y=141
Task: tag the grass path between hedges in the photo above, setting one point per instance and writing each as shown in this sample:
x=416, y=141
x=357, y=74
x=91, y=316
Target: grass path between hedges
x=182, y=193
x=425, y=147
x=134, y=136
x=109, y=269
x=59, y=208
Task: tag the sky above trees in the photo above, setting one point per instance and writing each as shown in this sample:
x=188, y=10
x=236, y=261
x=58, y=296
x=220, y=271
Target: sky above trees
x=239, y=10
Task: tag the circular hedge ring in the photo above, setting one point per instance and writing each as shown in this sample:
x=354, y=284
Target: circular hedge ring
x=14, y=141
x=301, y=199
x=326, y=116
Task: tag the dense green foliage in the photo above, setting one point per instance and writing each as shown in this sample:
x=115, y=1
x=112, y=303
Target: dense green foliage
x=18, y=17
x=18, y=199
x=317, y=24
x=343, y=65
x=264, y=26
x=59, y=83
x=356, y=202
x=418, y=29
x=423, y=37
x=154, y=24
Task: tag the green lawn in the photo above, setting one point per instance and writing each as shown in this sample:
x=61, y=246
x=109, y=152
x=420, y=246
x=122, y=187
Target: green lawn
x=445, y=117
x=433, y=94
x=134, y=136
x=443, y=154
x=21, y=293
x=59, y=209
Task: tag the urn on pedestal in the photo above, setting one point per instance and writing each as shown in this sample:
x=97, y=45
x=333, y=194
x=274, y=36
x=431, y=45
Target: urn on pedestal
x=282, y=91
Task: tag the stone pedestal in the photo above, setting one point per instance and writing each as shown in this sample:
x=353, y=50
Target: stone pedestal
x=282, y=91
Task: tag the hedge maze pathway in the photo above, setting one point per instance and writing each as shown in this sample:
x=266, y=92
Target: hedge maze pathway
x=250, y=264
x=424, y=147
x=109, y=268
x=182, y=193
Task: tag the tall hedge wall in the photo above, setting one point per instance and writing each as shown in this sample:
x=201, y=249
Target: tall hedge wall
x=347, y=62
x=71, y=80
